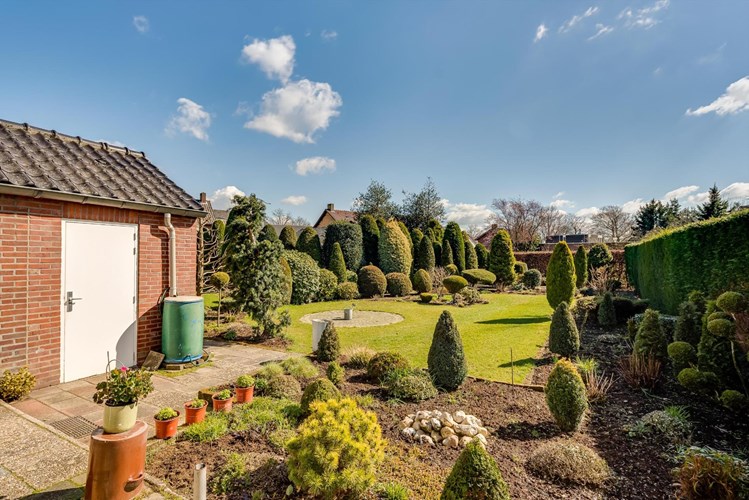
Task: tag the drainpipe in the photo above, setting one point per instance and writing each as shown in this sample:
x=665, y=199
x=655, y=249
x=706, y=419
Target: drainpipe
x=172, y=256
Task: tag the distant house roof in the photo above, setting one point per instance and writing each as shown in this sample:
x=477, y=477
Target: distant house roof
x=486, y=237
x=336, y=215
x=47, y=164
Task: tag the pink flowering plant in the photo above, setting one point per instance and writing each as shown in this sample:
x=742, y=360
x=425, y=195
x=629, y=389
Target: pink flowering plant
x=123, y=387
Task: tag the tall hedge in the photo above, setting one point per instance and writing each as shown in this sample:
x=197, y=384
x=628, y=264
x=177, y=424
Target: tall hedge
x=288, y=237
x=560, y=276
x=337, y=263
x=446, y=254
x=501, y=258
x=305, y=276
x=424, y=258
x=370, y=238
x=454, y=235
x=416, y=237
x=394, y=250
x=407, y=234
x=472, y=261
x=349, y=236
x=710, y=256
x=309, y=243
x=482, y=256
x=581, y=266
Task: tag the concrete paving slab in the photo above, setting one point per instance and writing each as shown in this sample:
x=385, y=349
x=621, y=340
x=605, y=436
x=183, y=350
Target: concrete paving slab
x=39, y=410
x=11, y=486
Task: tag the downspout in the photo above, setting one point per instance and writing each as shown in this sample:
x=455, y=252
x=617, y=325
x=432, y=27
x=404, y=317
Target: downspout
x=172, y=255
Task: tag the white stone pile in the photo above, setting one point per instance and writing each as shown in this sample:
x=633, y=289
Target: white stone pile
x=440, y=427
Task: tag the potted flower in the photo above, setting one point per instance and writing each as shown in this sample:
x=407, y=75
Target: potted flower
x=222, y=401
x=195, y=411
x=120, y=393
x=166, y=422
x=244, y=388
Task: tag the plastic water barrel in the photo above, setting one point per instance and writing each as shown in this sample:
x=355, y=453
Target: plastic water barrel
x=182, y=329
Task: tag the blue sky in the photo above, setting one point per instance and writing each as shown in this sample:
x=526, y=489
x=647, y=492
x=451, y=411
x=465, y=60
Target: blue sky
x=582, y=104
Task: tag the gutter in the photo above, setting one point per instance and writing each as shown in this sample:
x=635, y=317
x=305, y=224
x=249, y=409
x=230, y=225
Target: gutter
x=172, y=255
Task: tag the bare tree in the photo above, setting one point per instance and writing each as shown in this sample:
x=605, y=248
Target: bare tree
x=280, y=217
x=575, y=224
x=613, y=223
x=474, y=231
x=552, y=222
x=521, y=218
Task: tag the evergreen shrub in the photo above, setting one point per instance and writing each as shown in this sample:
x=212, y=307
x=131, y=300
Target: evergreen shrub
x=475, y=476
x=309, y=243
x=329, y=346
x=581, y=266
x=564, y=339
x=531, y=279
x=349, y=237
x=394, y=250
x=502, y=259
x=454, y=236
x=479, y=277
x=422, y=281
x=398, y=284
x=288, y=237
x=560, y=276
x=328, y=285
x=454, y=284
x=372, y=282
x=566, y=395
x=347, y=291
x=446, y=359
x=321, y=389
x=606, y=311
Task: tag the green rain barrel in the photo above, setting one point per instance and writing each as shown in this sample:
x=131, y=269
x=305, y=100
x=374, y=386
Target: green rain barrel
x=182, y=329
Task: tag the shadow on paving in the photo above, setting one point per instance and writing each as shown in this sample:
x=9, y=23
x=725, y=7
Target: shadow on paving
x=64, y=494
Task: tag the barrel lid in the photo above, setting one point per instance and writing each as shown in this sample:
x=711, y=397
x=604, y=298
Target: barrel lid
x=184, y=298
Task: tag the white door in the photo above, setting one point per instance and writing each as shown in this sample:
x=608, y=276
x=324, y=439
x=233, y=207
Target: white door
x=98, y=289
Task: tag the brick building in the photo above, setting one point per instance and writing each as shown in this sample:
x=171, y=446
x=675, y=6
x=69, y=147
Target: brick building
x=84, y=253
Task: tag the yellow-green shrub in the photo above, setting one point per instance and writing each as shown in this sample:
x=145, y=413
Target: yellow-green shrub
x=566, y=396
x=16, y=385
x=560, y=276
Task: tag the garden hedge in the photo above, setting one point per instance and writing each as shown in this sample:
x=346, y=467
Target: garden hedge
x=454, y=236
x=540, y=260
x=349, y=236
x=394, y=249
x=710, y=256
x=370, y=238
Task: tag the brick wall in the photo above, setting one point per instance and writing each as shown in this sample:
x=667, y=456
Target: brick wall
x=30, y=267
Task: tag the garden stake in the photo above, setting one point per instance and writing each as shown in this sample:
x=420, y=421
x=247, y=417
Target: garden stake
x=198, y=482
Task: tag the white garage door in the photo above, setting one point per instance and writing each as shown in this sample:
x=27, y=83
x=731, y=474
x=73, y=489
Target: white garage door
x=99, y=290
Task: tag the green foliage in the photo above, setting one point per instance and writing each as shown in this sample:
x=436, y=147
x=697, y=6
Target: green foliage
x=211, y=428
x=519, y=267
x=197, y=403
x=349, y=237
x=437, y=230
x=650, y=339
x=337, y=265
x=531, y=279
x=268, y=233
x=566, y=396
x=446, y=252
x=682, y=355
x=721, y=327
x=121, y=387
x=422, y=281
x=502, y=258
x=382, y=363
x=708, y=474
x=309, y=243
x=424, y=255
x=300, y=367
x=393, y=491
x=689, y=325
x=710, y=256
x=265, y=415
x=287, y=281
x=735, y=401
x=446, y=360
x=454, y=284
x=560, y=276
x=305, y=276
x=288, y=237
x=564, y=339
x=699, y=382
x=468, y=296
x=426, y=298
x=451, y=269
x=372, y=282
x=438, y=257
x=222, y=395
x=16, y=385
x=410, y=385
x=320, y=390
x=347, y=291
x=370, y=239
x=283, y=387
x=376, y=201
x=581, y=267
x=599, y=256
x=328, y=285
x=358, y=357
x=714, y=206
x=336, y=451
x=335, y=373
x=407, y=234
x=231, y=476
x=482, y=256
x=714, y=354
x=166, y=413
x=398, y=284
x=672, y=423
x=569, y=462
x=732, y=302
x=219, y=280
x=245, y=381
x=454, y=236
x=394, y=250
x=329, y=347
x=606, y=311
x=472, y=260
x=416, y=236
x=475, y=475
x=479, y=276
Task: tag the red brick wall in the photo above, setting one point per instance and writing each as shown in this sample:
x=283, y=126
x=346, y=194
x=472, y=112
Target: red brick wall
x=30, y=267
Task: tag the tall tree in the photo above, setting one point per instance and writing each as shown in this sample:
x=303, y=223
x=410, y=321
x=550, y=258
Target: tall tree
x=522, y=219
x=454, y=235
x=376, y=201
x=419, y=208
x=613, y=223
x=715, y=206
x=652, y=215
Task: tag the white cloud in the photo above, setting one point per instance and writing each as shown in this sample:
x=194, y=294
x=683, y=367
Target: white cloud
x=275, y=56
x=680, y=193
x=191, y=119
x=297, y=110
x=559, y=195
x=644, y=18
x=576, y=19
x=113, y=143
x=328, y=34
x=587, y=213
x=601, y=30
x=713, y=57
x=467, y=214
x=221, y=199
x=736, y=192
x=141, y=24
x=541, y=32
x=294, y=200
x=735, y=100
x=315, y=165
x=632, y=206
x=559, y=204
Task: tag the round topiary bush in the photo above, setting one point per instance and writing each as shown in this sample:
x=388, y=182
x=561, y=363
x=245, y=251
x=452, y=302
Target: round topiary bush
x=446, y=359
x=502, y=259
x=288, y=237
x=451, y=269
x=479, y=277
x=394, y=249
x=321, y=389
x=682, y=355
x=328, y=285
x=566, y=396
x=699, y=382
x=732, y=302
x=422, y=281
x=454, y=284
x=283, y=386
x=735, y=401
x=564, y=339
x=372, y=281
x=347, y=291
x=414, y=386
x=599, y=256
x=531, y=279
x=606, y=311
x=721, y=327
x=475, y=475
x=650, y=340
x=329, y=346
x=581, y=267
x=383, y=363
x=336, y=451
x=309, y=243
x=520, y=268
x=560, y=276
x=426, y=298
x=219, y=280
x=268, y=233
x=305, y=276
x=398, y=284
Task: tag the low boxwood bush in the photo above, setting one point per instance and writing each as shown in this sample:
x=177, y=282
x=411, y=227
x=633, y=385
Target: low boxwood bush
x=347, y=291
x=398, y=284
x=475, y=475
x=735, y=401
x=479, y=277
x=699, y=382
x=531, y=279
x=319, y=390
x=410, y=385
x=16, y=385
x=372, y=282
x=422, y=281
x=328, y=285
x=566, y=396
x=329, y=347
x=426, y=298
x=569, y=462
x=283, y=387
x=383, y=363
x=454, y=284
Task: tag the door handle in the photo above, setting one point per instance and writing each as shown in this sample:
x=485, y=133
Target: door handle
x=70, y=302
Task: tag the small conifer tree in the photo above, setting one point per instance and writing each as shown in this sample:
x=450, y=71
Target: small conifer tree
x=472, y=261
x=447, y=254
x=268, y=233
x=581, y=266
x=329, y=346
x=564, y=339
x=650, y=340
x=309, y=243
x=337, y=263
x=475, y=475
x=502, y=259
x=454, y=236
x=370, y=239
x=560, y=276
x=606, y=311
x=394, y=249
x=424, y=258
x=566, y=396
x=446, y=360
x=482, y=256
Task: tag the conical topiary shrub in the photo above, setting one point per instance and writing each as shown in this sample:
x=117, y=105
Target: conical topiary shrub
x=309, y=243
x=650, y=340
x=482, y=256
x=446, y=253
x=454, y=236
x=446, y=360
x=268, y=233
x=581, y=266
x=606, y=311
x=560, y=276
x=502, y=259
x=329, y=347
x=689, y=324
x=288, y=237
x=564, y=339
x=475, y=475
x=370, y=239
x=394, y=249
x=472, y=261
x=337, y=263
x=424, y=255
x=566, y=396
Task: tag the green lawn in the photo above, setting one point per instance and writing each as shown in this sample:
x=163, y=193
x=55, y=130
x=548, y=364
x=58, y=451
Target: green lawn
x=520, y=322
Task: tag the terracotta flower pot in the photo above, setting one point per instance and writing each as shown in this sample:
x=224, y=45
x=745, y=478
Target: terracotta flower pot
x=223, y=405
x=166, y=429
x=244, y=394
x=194, y=415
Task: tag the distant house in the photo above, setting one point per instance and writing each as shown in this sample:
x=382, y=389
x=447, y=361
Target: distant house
x=214, y=214
x=85, y=232
x=487, y=236
x=330, y=215
x=575, y=239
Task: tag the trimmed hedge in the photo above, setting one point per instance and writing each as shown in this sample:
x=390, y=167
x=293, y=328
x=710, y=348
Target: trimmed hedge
x=454, y=236
x=372, y=281
x=394, y=249
x=710, y=256
x=370, y=238
x=472, y=260
x=479, y=276
x=398, y=284
x=424, y=255
x=288, y=237
x=349, y=236
x=454, y=284
x=446, y=359
x=560, y=276
x=540, y=260
x=501, y=258
x=305, y=277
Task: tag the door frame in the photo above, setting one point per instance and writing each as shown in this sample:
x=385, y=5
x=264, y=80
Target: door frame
x=136, y=257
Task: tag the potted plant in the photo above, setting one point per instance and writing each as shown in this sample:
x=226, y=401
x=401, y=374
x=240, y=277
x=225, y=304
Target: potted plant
x=120, y=393
x=244, y=388
x=166, y=422
x=222, y=401
x=195, y=411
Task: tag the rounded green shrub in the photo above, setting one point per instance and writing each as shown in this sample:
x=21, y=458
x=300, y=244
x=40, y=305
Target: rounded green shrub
x=414, y=386
x=219, y=280
x=718, y=315
x=581, y=267
x=454, y=236
x=309, y=243
x=349, y=237
x=288, y=237
x=699, y=300
x=520, y=268
x=560, y=276
x=451, y=269
x=502, y=259
x=347, y=291
x=16, y=385
x=398, y=284
x=335, y=373
x=599, y=256
x=370, y=239
x=283, y=386
x=454, y=284
x=721, y=327
x=352, y=276
x=337, y=265
x=735, y=401
x=383, y=363
x=426, y=298
x=446, y=359
x=531, y=279
x=472, y=261
x=482, y=256
x=479, y=276
x=475, y=475
x=394, y=250
x=336, y=451
x=321, y=389
x=564, y=339
x=699, y=382
x=650, y=340
x=329, y=347
x=305, y=277
x=606, y=311
x=422, y=281
x=372, y=282
x=732, y=302
x=328, y=285
x=268, y=233
x=566, y=396
x=682, y=355
x=689, y=324
x=424, y=257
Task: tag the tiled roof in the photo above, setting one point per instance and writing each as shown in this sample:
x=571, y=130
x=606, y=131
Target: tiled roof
x=45, y=160
x=345, y=215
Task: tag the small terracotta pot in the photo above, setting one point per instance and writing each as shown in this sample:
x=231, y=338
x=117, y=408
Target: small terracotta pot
x=244, y=394
x=223, y=405
x=166, y=429
x=194, y=415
